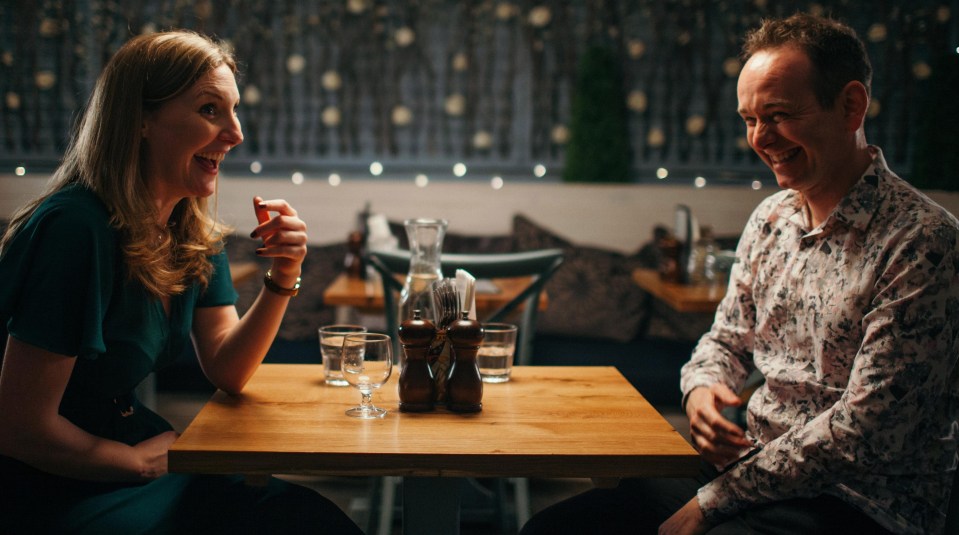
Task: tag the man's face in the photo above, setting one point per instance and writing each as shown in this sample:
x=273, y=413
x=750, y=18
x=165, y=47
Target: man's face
x=804, y=144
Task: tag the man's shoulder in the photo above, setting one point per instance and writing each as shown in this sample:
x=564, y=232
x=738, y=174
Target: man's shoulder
x=910, y=222
x=906, y=204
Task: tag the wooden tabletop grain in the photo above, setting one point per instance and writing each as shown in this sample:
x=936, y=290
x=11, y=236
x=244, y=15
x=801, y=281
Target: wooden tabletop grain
x=574, y=421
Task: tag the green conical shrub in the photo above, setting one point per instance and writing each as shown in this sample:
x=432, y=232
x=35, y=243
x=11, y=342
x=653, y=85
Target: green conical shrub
x=598, y=149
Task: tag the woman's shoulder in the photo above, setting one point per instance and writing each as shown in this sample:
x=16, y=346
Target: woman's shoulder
x=73, y=210
x=77, y=201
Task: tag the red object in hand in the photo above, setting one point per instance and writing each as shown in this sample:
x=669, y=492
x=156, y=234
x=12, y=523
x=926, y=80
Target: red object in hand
x=262, y=214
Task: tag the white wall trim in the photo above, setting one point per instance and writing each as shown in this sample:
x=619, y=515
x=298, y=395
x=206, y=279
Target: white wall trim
x=619, y=217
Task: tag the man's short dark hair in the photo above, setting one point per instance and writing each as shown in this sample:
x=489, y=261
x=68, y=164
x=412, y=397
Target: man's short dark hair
x=837, y=54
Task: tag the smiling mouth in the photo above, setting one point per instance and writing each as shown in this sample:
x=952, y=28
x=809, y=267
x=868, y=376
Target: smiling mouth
x=783, y=156
x=210, y=160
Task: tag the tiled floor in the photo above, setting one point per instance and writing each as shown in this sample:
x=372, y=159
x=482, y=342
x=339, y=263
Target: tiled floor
x=351, y=493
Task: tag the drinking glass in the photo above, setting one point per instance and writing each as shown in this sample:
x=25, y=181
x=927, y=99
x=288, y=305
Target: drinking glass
x=367, y=364
x=331, y=344
x=495, y=356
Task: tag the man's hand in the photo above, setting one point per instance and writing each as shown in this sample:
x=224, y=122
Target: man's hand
x=718, y=440
x=688, y=520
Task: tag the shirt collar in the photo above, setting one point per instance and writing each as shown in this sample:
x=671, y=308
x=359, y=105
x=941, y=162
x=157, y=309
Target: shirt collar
x=855, y=210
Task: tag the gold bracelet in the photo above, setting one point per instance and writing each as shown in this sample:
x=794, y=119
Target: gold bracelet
x=276, y=288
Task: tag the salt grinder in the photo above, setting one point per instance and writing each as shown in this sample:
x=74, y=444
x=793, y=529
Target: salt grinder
x=464, y=388
x=417, y=390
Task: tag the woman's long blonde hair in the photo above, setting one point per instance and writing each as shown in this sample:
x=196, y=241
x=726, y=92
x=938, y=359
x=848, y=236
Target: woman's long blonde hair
x=105, y=155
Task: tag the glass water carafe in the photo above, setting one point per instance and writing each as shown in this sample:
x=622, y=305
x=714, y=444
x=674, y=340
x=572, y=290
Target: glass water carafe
x=426, y=243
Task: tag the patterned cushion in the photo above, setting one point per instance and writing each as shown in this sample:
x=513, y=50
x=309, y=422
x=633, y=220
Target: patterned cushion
x=592, y=294
x=528, y=236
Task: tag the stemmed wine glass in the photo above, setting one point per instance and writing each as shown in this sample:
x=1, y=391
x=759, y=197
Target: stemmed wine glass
x=367, y=364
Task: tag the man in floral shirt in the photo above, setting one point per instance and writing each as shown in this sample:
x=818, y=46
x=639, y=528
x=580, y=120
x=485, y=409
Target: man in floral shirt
x=845, y=298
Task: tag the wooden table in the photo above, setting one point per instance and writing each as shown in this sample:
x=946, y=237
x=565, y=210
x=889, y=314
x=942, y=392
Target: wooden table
x=367, y=295
x=681, y=297
x=572, y=421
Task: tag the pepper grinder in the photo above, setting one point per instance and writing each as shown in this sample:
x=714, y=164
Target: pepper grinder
x=464, y=388
x=416, y=379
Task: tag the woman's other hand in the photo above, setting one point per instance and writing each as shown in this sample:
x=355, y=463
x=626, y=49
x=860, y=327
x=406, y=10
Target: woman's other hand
x=154, y=454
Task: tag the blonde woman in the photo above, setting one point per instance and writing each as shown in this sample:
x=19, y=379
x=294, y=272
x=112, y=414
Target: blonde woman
x=106, y=277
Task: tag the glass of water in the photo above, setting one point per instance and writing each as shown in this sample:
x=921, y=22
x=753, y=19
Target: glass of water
x=331, y=347
x=367, y=365
x=495, y=356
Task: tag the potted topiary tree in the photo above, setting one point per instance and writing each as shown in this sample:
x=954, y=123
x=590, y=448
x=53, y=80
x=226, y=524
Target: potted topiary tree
x=598, y=148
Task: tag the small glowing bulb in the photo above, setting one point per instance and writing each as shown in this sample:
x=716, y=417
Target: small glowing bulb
x=539, y=170
x=334, y=179
x=297, y=178
x=421, y=180
x=662, y=173
x=256, y=167
x=21, y=170
x=700, y=182
x=459, y=169
x=376, y=168
x=757, y=185
x=496, y=182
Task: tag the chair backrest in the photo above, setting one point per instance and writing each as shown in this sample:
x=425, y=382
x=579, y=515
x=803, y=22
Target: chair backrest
x=539, y=265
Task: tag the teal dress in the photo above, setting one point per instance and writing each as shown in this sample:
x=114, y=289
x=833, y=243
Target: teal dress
x=64, y=289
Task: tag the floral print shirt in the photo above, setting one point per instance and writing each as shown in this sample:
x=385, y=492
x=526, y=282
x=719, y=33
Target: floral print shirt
x=853, y=325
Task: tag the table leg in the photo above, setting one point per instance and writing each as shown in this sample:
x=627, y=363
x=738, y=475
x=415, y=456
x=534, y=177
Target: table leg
x=343, y=314
x=648, y=316
x=431, y=505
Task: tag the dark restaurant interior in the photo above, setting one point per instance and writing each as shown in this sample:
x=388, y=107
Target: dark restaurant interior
x=594, y=127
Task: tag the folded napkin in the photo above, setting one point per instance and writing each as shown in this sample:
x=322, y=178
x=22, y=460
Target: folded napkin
x=466, y=288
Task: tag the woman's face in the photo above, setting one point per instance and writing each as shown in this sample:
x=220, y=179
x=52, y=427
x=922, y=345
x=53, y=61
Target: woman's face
x=187, y=137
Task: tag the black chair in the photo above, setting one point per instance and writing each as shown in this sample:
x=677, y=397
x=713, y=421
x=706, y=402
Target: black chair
x=539, y=266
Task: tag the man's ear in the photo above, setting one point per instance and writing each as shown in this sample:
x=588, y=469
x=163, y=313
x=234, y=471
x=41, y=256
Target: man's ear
x=854, y=99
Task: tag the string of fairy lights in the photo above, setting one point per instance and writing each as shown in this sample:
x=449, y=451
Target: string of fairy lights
x=434, y=90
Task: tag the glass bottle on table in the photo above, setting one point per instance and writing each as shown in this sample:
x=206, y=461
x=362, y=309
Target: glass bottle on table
x=702, y=249
x=670, y=253
x=426, y=244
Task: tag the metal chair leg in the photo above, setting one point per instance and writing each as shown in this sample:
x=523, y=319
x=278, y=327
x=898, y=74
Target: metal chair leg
x=521, y=499
x=387, y=505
